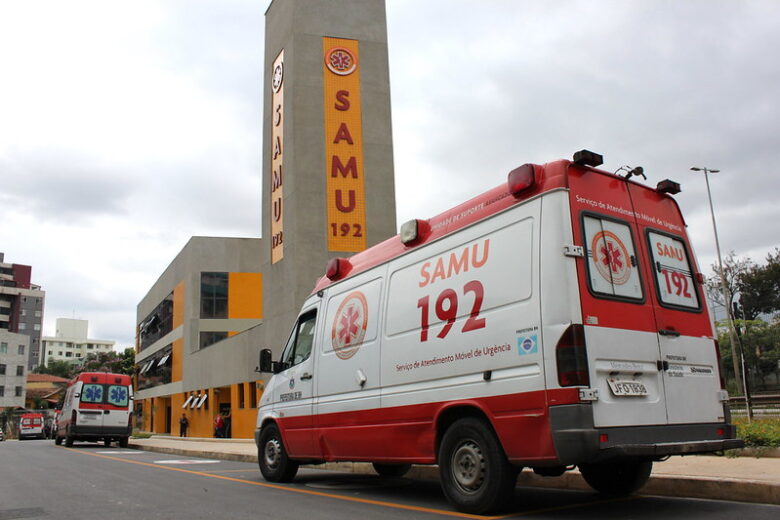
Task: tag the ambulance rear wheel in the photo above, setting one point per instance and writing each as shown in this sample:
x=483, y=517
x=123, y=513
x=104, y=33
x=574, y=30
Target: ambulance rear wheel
x=69, y=440
x=476, y=476
x=107, y=442
x=124, y=441
x=392, y=470
x=57, y=440
x=617, y=478
x=274, y=463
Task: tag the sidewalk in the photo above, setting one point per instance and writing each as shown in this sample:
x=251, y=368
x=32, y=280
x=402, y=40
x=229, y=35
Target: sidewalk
x=743, y=479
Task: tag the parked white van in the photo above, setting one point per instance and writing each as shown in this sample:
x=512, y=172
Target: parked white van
x=554, y=321
x=97, y=407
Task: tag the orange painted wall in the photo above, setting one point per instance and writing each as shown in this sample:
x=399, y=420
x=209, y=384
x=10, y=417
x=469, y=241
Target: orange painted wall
x=245, y=295
x=244, y=418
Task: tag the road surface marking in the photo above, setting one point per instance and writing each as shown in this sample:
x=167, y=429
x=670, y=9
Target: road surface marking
x=381, y=503
x=187, y=461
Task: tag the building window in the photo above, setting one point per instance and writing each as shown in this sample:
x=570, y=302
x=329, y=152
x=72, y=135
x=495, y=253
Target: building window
x=241, y=395
x=22, y=326
x=37, y=326
x=18, y=391
x=37, y=314
x=20, y=370
x=89, y=347
x=3, y=348
x=59, y=353
x=2, y=391
x=24, y=312
x=2, y=369
x=253, y=395
x=209, y=338
x=158, y=323
x=156, y=369
x=68, y=354
x=214, y=295
x=21, y=350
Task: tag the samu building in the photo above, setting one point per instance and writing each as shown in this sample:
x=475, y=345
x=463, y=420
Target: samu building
x=198, y=320
x=328, y=191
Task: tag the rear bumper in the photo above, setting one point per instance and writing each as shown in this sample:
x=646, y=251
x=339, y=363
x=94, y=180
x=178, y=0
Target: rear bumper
x=578, y=441
x=87, y=432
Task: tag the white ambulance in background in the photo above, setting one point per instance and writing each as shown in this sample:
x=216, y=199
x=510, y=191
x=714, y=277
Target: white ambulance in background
x=97, y=407
x=556, y=320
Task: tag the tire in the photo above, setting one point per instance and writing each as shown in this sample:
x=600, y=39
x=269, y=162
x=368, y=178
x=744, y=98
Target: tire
x=617, y=478
x=476, y=476
x=57, y=440
x=107, y=442
x=124, y=441
x=274, y=463
x=69, y=440
x=392, y=470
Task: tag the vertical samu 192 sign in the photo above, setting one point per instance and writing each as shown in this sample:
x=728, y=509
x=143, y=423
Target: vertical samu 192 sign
x=346, y=226
x=277, y=158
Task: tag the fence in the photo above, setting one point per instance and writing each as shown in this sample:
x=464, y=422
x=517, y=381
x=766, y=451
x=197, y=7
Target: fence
x=761, y=405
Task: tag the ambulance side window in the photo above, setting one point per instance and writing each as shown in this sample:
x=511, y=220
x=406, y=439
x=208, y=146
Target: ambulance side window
x=301, y=340
x=674, y=281
x=613, y=270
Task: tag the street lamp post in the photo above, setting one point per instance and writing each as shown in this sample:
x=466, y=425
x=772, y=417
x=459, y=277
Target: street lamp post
x=723, y=288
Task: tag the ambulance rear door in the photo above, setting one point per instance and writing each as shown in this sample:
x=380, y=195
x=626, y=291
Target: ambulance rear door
x=617, y=314
x=688, y=359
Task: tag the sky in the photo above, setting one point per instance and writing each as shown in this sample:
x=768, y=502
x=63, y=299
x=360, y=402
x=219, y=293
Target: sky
x=128, y=127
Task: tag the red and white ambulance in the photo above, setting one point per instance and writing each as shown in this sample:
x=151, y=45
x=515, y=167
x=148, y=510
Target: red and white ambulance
x=97, y=407
x=554, y=321
x=31, y=426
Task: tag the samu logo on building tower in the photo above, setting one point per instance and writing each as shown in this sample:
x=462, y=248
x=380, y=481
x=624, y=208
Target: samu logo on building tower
x=346, y=205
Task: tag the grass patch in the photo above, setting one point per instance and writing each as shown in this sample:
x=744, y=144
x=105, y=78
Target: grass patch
x=760, y=433
x=141, y=435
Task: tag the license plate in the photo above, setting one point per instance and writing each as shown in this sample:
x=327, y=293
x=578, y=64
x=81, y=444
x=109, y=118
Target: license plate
x=626, y=387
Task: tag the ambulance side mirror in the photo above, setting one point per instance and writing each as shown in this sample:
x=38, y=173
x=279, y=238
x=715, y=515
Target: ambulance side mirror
x=267, y=364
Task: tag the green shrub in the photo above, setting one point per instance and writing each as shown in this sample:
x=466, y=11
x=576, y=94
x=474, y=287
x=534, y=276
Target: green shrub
x=759, y=433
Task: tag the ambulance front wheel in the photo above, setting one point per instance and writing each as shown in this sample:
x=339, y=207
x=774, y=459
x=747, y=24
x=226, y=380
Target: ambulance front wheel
x=476, y=476
x=274, y=463
x=617, y=478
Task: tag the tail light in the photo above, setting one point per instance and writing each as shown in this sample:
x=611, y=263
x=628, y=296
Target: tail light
x=572, y=357
x=720, y=366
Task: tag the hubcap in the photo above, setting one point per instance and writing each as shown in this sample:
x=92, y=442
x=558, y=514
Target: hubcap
x=468, y=466
x=273, y=452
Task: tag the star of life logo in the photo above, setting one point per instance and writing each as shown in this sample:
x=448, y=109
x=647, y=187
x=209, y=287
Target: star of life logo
x=611, y=257
x=349, y=326
x=341, y=61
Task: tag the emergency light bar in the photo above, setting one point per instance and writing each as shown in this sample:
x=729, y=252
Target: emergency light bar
x=668, y=186
x=588, y=158
x=337, y=268
x=520, y=179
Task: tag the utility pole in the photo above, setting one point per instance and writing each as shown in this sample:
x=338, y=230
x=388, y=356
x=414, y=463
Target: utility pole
x=725, y=292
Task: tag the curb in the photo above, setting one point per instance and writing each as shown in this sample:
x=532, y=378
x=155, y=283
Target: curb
x=662, y=485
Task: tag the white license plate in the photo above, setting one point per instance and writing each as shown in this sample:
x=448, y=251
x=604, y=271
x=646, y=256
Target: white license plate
x=626, y=387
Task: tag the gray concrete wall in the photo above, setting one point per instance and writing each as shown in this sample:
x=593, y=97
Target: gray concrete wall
x=297, y=26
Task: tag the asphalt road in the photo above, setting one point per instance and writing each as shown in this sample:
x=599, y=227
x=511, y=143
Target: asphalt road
x=90, y=481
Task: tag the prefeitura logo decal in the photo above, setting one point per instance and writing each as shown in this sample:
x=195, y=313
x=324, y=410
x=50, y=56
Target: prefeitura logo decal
x=340, y=61
x=611, y=257
x=349, y=326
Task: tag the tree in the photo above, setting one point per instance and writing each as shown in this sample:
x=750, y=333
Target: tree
x=57, y=368
x=759, y=288
x=110, y=362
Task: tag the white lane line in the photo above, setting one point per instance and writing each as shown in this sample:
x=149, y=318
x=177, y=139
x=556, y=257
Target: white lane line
x=131, y=452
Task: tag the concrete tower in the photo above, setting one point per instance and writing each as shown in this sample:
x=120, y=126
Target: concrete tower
x=328, y=185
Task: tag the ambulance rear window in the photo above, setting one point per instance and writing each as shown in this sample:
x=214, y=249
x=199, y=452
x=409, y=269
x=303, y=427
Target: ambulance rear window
x=673, y=274
x=612, y=265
